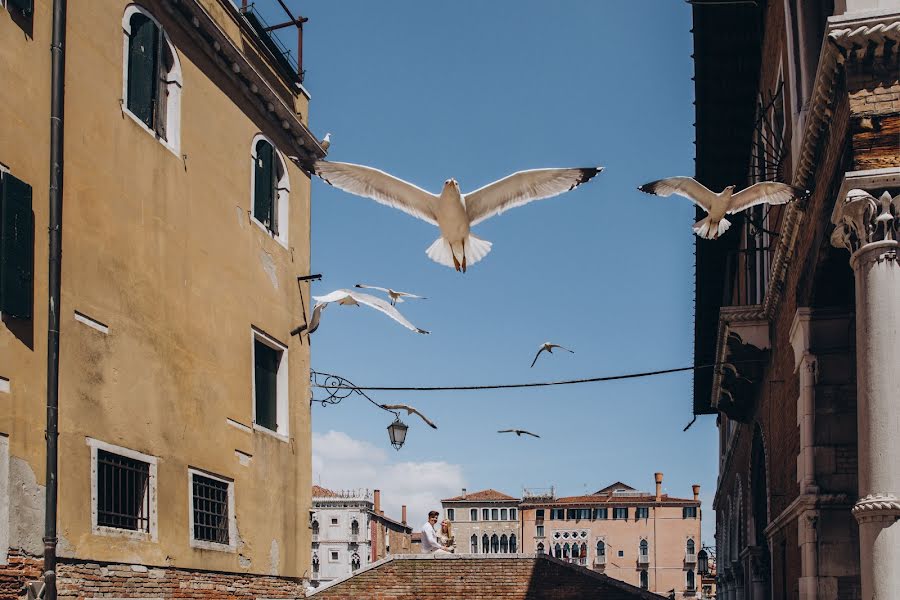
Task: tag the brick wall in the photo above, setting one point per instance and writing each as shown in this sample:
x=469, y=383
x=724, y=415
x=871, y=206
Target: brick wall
x=80, y=580
x=473, y=577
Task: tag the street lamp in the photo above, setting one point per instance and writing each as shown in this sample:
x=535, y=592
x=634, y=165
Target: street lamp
x=397, y=433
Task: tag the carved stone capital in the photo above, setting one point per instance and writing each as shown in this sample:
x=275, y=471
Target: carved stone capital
x=877, y=507
x=862, y=219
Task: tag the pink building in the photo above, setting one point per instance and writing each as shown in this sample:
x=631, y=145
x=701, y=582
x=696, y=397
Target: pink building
x=650, y=540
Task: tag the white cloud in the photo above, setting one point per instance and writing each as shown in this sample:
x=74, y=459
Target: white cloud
x=341, y=462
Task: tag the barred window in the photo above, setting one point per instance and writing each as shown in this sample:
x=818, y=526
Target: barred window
x=123, y=492
x=211, y=510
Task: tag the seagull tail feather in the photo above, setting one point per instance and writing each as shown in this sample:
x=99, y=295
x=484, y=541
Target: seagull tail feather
x=441, y=253
x=709, y=230
x=476, y=249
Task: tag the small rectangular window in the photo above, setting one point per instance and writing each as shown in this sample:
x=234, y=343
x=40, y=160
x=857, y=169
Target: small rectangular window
x=473, y=514
x=601, y=513
x=123, y=492
x=504, y=514
x=495, y=514
x=620, y=513
x=689, y=512
x=539, y=514
x=211, y=510
x=621, y=553
x=642, y=512
x=451, y=514
x=334, y=521
x=335, y=556
x=540, y=531
x=513, y=514
x=485, y=514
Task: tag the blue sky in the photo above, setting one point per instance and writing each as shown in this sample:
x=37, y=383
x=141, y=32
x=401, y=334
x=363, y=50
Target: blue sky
x=475, y=91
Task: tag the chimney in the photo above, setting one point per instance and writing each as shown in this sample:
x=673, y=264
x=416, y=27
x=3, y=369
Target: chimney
x=403, y=514
x=377, y=494
x=696, y=488
x=464, y=493
x=658, y=477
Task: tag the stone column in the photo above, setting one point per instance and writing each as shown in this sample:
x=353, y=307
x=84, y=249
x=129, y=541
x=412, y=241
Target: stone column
x=868, y=228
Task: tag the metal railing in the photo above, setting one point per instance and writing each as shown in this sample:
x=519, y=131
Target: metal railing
x=690, y=557
x=643, y=558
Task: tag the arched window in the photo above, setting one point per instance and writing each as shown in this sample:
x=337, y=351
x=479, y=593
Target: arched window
x=557, y=551
x=540, y=548
x=495, y=544
x=152, y=77
x=575, y=551
x=512, y=544
x=354, y=561
x=566, y=551
x=583, y=550
x=643, y=548
x=645, y=580
x=485, y=544
x=315, y=528
x=601, y=548
x=315, y=563
x=691, y=584
x=354, y=527
x=473, y=544
x=689, y=547
x=271, y=188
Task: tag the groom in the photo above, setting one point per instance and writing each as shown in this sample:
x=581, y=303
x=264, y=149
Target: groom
x=430, y=543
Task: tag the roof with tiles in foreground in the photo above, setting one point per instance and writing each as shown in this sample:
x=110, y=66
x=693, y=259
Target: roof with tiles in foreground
x=478, y=577
x=487, y=495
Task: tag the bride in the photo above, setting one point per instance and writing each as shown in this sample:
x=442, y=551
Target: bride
x=446, y=537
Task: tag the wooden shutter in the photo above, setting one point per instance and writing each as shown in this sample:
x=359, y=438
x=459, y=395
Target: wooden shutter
x=264, y=184
x=143, y=68
x=16, y=248
x=266, y=361
x=26, y=6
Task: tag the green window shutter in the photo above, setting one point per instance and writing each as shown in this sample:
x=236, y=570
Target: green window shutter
x=264, y=184
x=26, y=6
x=266, y=361
x=143, y=67
x=16, y=248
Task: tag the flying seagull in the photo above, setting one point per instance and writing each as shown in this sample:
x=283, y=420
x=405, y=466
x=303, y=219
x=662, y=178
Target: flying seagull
x=410, y=411
x=549, y=348
x=396, y=297
x=518, y=432
x=326, y=142
x=723, y=203
x=316, y=316
x=453, y=212
x=356, y=298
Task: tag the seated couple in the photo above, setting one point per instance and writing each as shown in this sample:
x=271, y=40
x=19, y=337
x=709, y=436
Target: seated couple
x=434, y=542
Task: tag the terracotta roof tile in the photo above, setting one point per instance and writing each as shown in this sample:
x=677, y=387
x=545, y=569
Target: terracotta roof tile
x=320, y=492
x=487, y=495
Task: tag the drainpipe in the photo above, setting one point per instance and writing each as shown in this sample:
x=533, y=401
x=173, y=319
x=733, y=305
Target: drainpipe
x=57, y=98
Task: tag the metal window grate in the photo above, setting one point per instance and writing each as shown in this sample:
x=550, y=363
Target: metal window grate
x=210, y=510
x=123, y=495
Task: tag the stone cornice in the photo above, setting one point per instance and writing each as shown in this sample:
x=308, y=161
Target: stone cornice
x=805, y=502
x=210, y=37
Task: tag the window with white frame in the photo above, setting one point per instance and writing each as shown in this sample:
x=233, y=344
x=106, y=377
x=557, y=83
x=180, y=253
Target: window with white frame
x=473, y=514
x=152, y=80
x=513, y=515
x=451, y=514
x=495, y=514
x=213, y=524
x=123, y=492
x=334, y=556
x=473, y=544
x=271, y=188
x=270, y=384
x=485, y=514
x=539, y=531
x=690, y=583
x=504, y=514
x=513, y=543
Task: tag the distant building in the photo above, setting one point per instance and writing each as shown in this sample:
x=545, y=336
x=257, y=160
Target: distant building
x=649, y=540
x=350, y=531
x=485, y=522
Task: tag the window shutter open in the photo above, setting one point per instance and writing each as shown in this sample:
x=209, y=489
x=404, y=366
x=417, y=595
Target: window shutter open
x=16, y=248
x=26, y=6
x=143, y=67
x=264, y=184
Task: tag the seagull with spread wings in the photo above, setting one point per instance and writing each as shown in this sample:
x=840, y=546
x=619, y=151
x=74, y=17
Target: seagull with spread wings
x=518, y=432
x=410, y=411
x=724, y=203
x=395, y=296
x=548, y=347
x=349, y=297
x=453, y=212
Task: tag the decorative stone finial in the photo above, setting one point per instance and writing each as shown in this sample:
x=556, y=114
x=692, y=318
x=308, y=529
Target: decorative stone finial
x=862, y=219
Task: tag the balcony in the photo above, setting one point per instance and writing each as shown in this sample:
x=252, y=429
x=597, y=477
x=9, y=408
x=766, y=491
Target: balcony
x=690, y=558
x=354, y=538
x=600, y=561
x=315, y=538
x=644, y=559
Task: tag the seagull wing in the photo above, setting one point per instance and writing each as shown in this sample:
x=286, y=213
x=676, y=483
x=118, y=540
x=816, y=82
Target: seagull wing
x=371, y=287
x=538, y=354
x=562, y=348
x=335, y=296
x=506, y=431
x=768, y=192
x=316, y=315
x=523, y=187
x=528, y=433
x=408, y=295
x=380, y=305
x=379, y=186
x=410, y=411
x=687, y=187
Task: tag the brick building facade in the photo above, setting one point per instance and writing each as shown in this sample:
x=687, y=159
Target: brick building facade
x=801, y=301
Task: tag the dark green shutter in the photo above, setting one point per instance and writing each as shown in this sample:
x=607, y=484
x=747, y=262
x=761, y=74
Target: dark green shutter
x=143, y=66
x=266, y=361
x=16, y=248
x=26, y=6
x=264, y=184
